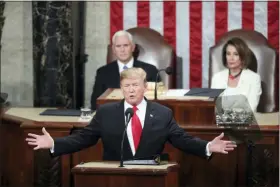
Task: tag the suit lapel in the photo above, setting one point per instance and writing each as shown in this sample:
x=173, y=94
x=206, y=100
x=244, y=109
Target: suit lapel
x=226, y=77
x=148, y=124
x=136, y=64
x=242, y=78
x=121, y=118
x=120, y=114
x=242, y=86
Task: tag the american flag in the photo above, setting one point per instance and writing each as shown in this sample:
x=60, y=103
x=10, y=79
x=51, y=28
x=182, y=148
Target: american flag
x=192, y=27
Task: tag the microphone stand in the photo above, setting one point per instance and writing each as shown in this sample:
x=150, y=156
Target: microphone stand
x=124, y=132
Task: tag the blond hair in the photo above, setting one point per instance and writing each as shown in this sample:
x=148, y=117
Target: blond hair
x=133, y=73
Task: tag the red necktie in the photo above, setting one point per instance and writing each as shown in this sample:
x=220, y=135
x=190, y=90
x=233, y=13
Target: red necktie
x=136, y=128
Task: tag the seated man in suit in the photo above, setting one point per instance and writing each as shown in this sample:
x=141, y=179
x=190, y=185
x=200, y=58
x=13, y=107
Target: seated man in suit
x=108, y=76
x=151, y=126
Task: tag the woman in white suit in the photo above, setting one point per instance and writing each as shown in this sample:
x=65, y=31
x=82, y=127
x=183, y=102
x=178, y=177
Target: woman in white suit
x=236, y=79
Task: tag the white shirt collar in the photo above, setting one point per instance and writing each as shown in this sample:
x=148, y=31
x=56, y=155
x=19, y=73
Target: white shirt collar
x=128, y=65
x=141, y=106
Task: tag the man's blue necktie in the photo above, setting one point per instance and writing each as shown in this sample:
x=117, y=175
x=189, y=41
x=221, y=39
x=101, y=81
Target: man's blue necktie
x=125, y=67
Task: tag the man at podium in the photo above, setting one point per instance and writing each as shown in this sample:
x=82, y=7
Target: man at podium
x=150, y=127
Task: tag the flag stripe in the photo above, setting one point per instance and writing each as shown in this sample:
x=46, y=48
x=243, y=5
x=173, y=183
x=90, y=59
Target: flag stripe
x=248, y=15
x=116, y=17
x=195, y=44
x=191, y=28
x=143, y=10
x=183, y=40
x=273, y=37
x=260, y=17
x=129, y=14
x=169, y=23
x=208, y=38
x=156, y=16
x=234, y=15
x=221, y=25
x=273, y=24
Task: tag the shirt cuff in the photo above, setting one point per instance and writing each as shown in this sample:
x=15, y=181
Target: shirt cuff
x=52, y=149
x=208, y=153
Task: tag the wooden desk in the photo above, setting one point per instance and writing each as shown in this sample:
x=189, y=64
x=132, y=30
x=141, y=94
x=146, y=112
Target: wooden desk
x=109, y=174
x=186, y=110
x=24, y=167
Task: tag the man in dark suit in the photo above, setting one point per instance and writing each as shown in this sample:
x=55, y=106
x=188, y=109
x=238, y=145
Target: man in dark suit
x=108, y=76
x=151, y=126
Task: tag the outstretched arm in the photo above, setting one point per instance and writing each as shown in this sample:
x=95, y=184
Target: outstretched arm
x=88, y=136
x=193, y=145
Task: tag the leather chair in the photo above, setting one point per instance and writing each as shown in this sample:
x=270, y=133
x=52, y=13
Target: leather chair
x=153, y=49
x=263, y=62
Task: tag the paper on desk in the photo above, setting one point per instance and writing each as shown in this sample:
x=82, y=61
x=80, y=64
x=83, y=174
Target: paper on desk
x=176, y=92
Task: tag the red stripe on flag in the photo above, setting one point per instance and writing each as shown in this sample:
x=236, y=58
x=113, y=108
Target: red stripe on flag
x=221, y=19
x=248, y=15
x=143, y=14
x=273, y=36
x=169, y=22
x=169, y=27
x=116, y=17
x=195, y=44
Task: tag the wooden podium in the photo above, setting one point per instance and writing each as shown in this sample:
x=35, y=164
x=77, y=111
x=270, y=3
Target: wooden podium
x=187, y=110
x=109, y=174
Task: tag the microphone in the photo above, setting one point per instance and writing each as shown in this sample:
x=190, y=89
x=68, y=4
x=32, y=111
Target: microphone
x=168, y=71
x=128, y=114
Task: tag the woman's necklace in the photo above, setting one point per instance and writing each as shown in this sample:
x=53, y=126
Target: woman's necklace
x=232, y=77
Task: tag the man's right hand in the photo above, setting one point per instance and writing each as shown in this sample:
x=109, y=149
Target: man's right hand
x=44, y=141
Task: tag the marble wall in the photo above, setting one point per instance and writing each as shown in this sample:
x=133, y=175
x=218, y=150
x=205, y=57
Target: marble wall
x=97, y=38
x=53, y=54
x=18, y=77
x=16, y=54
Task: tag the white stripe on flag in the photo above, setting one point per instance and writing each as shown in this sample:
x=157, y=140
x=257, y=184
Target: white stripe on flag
x=183, y=40
x=208, y=38
x=234, y=15
x=129, y=14
x=260, y=17
x=156, y=16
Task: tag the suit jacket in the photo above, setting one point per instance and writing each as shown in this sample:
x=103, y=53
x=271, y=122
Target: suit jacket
x=109, y=124
x=249, y=85
x=108, y=76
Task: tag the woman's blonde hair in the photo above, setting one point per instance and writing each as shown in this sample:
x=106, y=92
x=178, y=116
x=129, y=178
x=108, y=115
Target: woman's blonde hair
x=133, y=73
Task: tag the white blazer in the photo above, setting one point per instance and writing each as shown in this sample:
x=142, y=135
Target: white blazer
x=249, y=85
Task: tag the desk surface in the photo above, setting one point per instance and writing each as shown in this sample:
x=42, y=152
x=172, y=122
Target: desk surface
x=33, y=114
x=113, y=168
x=115, y=165
x=177, y=94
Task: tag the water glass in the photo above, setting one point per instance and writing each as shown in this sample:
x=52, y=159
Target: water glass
x=85, y=113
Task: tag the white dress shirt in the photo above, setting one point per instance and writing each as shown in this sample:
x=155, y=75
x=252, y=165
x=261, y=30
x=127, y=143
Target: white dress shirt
x=128, y=65
x=141, y=113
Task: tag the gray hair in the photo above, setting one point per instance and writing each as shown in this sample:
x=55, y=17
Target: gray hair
x=122, y=33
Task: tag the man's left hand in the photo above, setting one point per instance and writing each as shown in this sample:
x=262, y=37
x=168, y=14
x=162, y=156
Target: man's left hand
x=217, y=145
